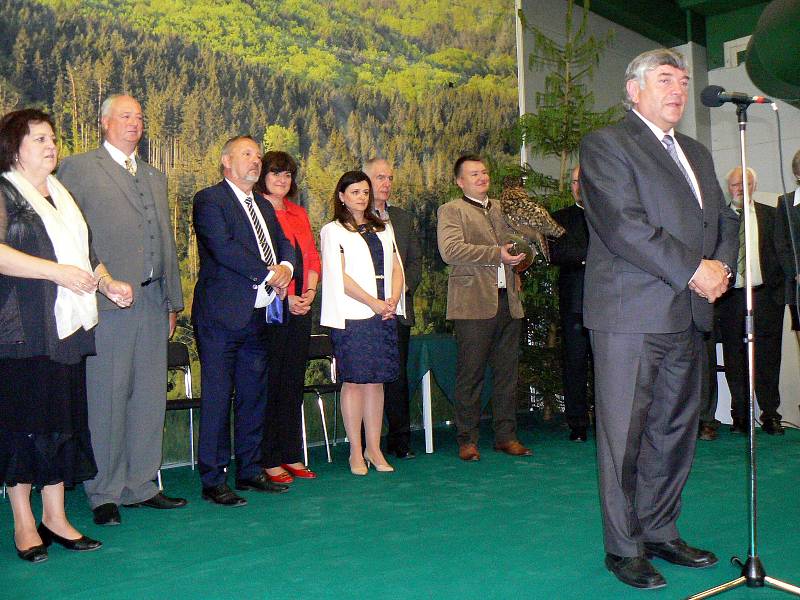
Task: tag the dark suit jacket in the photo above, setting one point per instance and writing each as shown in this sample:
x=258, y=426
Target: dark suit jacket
x=114, y=217
x=647, y=232
x=231, y=268
x=410, y=251
x=787, y=227
x=569, y=253
x=771, y=271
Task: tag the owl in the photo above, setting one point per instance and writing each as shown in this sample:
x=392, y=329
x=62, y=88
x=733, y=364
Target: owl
x=526, y=216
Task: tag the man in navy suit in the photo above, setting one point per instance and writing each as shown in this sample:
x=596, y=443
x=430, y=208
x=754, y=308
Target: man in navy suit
x=245, y=266
x=661, y=240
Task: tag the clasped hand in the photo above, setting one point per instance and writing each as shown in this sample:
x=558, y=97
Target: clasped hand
x=385, y=308
x=710, y=281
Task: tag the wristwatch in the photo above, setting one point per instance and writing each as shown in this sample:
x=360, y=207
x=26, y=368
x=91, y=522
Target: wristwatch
x=728, y=272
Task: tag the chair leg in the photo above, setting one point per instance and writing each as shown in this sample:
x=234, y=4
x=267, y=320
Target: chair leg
x=191, y=436
x=324, y=426
x=160, y=483
x=335, y=416
x=305, y=435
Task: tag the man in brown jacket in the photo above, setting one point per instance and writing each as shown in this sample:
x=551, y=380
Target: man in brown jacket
x=483, y=302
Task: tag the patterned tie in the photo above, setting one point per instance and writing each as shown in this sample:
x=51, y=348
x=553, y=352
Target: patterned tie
x=740, y=261
x=275, y=312
x=669, y=144
x=130, y=167
x=269, y=258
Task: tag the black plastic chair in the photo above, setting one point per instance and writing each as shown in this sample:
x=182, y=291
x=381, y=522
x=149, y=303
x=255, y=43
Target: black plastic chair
x=178, y=360
x=320, y=348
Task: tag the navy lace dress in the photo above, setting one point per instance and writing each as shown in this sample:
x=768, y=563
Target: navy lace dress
x=366, y=349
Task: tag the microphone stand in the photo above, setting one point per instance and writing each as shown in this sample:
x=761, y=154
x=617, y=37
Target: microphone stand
x=753, y=573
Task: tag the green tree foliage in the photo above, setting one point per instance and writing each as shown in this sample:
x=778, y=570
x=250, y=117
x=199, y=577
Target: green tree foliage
x=564, y=115
x=205, y=70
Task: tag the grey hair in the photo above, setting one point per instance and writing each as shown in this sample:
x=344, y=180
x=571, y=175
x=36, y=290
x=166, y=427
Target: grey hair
x=372, y=161
x=647, y=61
x=105, y=107
x=751, y=174
x=796, y=165
x=226, y=148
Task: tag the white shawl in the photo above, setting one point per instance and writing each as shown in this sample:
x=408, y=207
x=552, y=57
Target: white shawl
x=69, y=235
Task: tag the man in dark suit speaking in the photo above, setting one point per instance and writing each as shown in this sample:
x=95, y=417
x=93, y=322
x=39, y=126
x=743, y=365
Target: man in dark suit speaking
x=244, y=266
x=660, y=242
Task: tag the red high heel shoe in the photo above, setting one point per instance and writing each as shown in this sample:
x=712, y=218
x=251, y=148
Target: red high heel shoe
x=283, y=477
x=304, y=473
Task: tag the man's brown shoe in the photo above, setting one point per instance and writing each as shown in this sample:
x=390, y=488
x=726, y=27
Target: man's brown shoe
x=514, y=448
x=469, y=452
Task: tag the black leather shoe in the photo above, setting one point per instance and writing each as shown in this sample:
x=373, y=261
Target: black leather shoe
x=261, y=483
x=635, y=571
x=222, y=494
x=34, y=554
x=406, y=454
x=740, y=425
x=680, y=553
x=82, y=544
x=107, y=514
x=706, y=433
x=160, y=501
x=772, y=427
x=578, y=434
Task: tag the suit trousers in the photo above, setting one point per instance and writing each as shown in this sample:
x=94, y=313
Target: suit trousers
x=647, y=403
x=282, y=442
x=575, y=353
x=395, y=398
x=709, y=394
x=480, y=342
x=126, y=391
x=768, y=324
x=232, y=360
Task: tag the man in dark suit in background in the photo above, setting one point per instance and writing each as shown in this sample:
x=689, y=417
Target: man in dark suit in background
x=244, y=270
x=569, y=253
x=660, y=242
x=395, y=404
x=768, y=308
x=125, y=203
x=787, y=243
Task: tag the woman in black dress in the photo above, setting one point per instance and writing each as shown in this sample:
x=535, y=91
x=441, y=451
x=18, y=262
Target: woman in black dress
x=362, y=286
x=48, y=278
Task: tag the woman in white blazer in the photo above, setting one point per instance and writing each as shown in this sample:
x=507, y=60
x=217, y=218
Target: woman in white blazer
x=362, y=290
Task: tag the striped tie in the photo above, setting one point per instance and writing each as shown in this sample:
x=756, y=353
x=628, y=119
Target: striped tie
x=266, y=251
x=740, y=261
x=669, y=144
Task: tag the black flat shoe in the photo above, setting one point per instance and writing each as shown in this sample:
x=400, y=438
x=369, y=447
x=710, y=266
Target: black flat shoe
x=578, y=434
x=107, y=514
x=635, y=571
x=34, y=554
x=772, y=427
x=82, y=544
x=680, y=553
x=261, y=483
x=161, y=501
x=407, y=454
x=223, y=495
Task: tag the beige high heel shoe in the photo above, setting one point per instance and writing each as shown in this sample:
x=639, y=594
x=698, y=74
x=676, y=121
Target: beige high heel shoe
x=381, y=468
x=361, y=469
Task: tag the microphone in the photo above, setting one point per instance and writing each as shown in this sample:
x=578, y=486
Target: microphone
x=714, y=95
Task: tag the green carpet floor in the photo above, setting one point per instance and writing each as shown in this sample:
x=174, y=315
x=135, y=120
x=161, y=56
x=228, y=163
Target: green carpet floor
x=506, y=528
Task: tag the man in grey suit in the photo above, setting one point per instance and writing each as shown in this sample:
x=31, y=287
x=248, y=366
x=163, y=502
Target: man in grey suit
x=660, y=242
x=395, y=403
x=124, y=201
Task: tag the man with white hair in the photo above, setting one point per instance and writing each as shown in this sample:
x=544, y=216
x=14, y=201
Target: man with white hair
x=125, y=204
x=768, y=302
x=660, y=242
